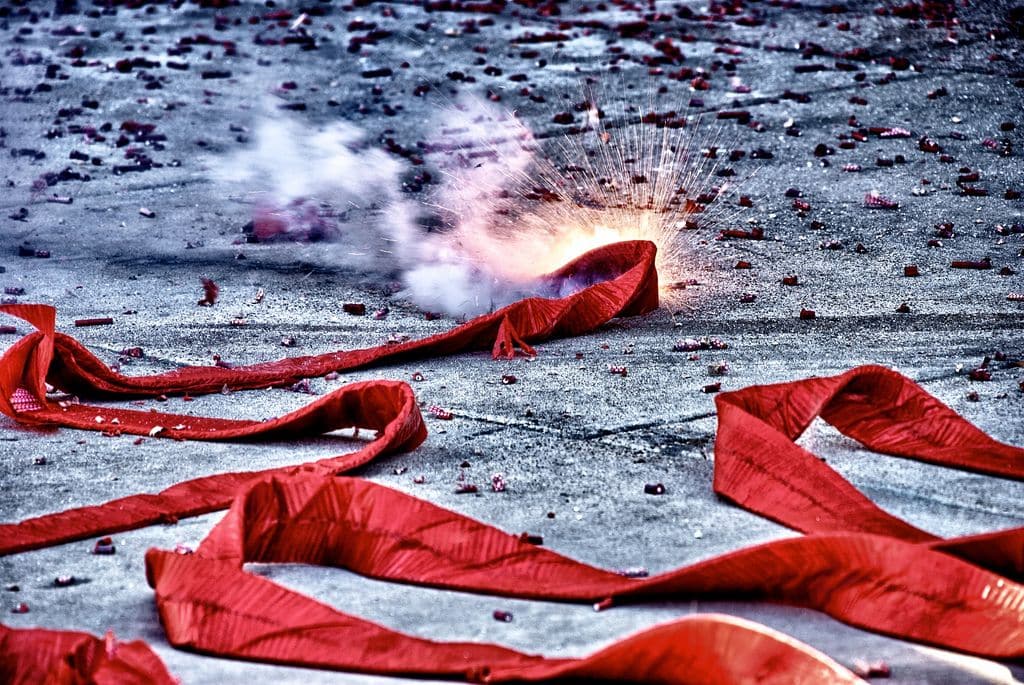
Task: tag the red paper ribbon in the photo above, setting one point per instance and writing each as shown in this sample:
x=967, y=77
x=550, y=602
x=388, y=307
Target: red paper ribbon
x=857, y=563
x=66, y=657
x=622, y=281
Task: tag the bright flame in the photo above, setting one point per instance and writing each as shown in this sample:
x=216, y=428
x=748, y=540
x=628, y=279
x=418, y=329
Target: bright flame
x=527, y=256
x=576, y=242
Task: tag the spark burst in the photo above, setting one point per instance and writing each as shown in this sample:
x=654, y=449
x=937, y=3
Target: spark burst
x=517, y=208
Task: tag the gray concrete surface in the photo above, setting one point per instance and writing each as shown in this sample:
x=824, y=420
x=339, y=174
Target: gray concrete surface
x=570, y=437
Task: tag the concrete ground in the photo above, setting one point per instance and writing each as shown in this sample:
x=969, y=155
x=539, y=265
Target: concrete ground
x=569, y=437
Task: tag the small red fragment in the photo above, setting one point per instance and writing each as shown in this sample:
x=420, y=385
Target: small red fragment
x=982, y=264
x=104, y=546
x=302, y=386
x=693, y=344
x=635, y=572
x=807, y=314
x=903, y=309
x=980, y=374
x=747, y=298
x=503, y=616
x=466, y=489
x=756, y=233
x=508, y=379
x=102, y=321
x=417, y=376
x=498, y=483
x=972, y=191
x=441, y=413
x=64, y=581
x=891, y=132
x=875, y=201
x=531, y=538
x=911, y=271
x=718, y=369
x=711, y=388
x=618, y=370
x=742, y=264
x=790, y=280
x=872, y=669
x=20, y=608
x=354, y=308
x=210, y=292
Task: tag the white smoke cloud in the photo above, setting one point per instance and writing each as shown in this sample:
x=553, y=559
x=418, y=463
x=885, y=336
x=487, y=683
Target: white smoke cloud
x=472, y=264
x=330, y=184
x=290, y=162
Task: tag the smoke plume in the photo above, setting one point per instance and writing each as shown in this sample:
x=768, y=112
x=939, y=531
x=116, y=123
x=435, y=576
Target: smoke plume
x=499, y=214
x=454, y=246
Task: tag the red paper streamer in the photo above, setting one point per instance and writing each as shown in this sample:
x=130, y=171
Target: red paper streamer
x=56, y=657
x=621, y=280
x=856, y=563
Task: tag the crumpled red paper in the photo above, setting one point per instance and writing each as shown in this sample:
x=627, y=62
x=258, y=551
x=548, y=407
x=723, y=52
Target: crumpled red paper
x=856, y=563
x=623, y=281
x=66, y=657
